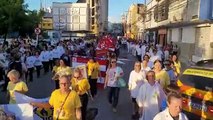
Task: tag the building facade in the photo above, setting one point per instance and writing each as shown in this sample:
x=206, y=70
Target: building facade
x=70, y=16
x=187, y=23
x=134, y=21
x=98, y=16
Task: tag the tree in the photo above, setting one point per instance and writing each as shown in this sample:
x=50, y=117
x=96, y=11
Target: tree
x=15, y=17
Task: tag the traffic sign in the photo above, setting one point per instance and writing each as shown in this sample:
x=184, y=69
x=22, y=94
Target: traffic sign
x=37, y=31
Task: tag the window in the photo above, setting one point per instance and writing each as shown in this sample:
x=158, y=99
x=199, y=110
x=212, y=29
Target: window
x=93, y=2
x=93, y=20
x=170, y=35
x=76, y=19
x=180, y=34
x=93, y=11
x=197, y=82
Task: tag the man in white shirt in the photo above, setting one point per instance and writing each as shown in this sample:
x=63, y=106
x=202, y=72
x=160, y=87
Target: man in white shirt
x=155, y=56
x=173, y=112
x=138, y=51
x=55, y=53
x=60, y=49
x=45, y=59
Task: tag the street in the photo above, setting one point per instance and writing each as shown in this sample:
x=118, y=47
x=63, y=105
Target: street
x=43, y=86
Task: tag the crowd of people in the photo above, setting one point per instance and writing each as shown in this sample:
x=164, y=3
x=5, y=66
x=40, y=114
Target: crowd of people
x=153, y=82
x=150, y=83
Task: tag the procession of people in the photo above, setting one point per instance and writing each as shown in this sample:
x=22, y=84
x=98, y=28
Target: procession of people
x=156, y=68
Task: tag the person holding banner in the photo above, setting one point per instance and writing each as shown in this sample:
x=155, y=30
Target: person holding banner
x=82, y=87
x=65, y=102
x=15, y=85
x=63, y=69
x=93, y=72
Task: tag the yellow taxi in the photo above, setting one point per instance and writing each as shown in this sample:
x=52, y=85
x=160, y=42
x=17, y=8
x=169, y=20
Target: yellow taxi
x=196, y=86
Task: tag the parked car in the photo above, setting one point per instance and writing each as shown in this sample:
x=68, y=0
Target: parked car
x=196, y=86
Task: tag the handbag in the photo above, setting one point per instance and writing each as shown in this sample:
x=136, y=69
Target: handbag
x=121, y=82
x=62, y=106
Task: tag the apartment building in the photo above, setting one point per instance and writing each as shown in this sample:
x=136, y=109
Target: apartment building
x=134, y=21
x=187, y=23
x=69, y=16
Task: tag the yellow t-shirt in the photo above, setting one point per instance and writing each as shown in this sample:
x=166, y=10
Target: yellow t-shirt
x=163, y=78
x=63, y=71
x=55, y=69
x=177, y=66
x=68, y=110
x=93, y=69
x=80, y=86
x=19, y=87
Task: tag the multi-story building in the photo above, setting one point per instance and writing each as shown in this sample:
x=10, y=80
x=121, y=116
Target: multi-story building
x=191, y=28
x=98, y=16
x=187, y=23
x=134, y=21
x=47, y=21
x=70, y=16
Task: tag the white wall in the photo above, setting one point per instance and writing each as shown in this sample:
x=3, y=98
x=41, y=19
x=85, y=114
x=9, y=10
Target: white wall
x=188, y=35
x=175, y=35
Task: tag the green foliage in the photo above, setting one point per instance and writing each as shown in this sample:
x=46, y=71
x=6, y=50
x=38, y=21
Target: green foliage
x=15, y=17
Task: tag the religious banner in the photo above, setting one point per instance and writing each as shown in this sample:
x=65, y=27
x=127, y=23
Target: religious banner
x=16, y=112
x=38, y=113
x=81, y=60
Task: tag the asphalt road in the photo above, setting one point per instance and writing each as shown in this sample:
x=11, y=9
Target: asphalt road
x=43, y=86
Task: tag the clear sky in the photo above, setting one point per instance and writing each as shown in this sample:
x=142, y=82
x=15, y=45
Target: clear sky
x=116, y=7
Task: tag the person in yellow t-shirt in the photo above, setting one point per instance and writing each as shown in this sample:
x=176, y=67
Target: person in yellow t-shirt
x=62, y=69
x=93, y=73
x=177, y=64
x=82, y=87
x=65, y=102
x=161, y=75
x=15, y=85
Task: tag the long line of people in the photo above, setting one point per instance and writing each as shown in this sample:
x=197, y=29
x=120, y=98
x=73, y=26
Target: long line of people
x=149, y=82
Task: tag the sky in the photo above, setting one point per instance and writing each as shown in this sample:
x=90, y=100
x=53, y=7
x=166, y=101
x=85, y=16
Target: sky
x=116, y=7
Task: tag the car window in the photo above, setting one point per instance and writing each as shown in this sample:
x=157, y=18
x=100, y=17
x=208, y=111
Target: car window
x=198, y=82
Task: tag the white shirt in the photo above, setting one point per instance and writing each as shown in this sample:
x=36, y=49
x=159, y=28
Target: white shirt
x=165, y=115
x=154, y=58
x=55, y=53
x=30, y=61
x=150, y=97
x=135, y=82
x=51, y=55
x=138, y=49
x=22, y=50
x=145, y=69
x=38, y=61
x=61, y=50
x=45, y=56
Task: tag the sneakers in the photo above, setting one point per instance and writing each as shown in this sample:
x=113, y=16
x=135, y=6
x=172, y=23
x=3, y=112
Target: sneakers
x=114, y=110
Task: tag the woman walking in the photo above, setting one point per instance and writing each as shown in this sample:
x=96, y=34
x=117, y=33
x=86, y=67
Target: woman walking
x=82, y=87
x=113, y=74
x=136, y=79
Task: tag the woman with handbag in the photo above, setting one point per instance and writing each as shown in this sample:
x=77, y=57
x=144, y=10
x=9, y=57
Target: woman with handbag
x=113, y=75
x=82, y=87
x=66, y=103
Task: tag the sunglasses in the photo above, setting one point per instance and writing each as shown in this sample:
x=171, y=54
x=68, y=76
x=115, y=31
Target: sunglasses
x=113, y=62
